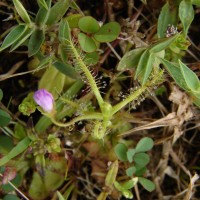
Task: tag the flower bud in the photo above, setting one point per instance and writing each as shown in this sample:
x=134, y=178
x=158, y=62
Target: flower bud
x=44, y=99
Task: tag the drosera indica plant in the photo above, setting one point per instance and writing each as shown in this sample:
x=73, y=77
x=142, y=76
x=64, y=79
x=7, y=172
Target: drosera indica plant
x=68, y=47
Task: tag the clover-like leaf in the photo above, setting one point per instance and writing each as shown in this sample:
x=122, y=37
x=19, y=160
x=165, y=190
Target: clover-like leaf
x=87, y=43
x=120, y=151
x=145, y=144
x=108, y=32
x=142, y=159
x=147, y=184
x=88, y=24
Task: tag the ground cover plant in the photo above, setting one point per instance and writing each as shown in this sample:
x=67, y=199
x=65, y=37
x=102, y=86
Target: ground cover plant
x=99, y=99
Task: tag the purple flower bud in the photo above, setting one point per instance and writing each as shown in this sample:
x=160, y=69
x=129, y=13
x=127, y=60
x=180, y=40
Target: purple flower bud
x=44, y=99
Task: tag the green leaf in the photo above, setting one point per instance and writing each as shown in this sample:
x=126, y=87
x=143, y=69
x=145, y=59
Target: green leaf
x=145, y=66
x=11, y=197
x=73, y=20
x=141, y=159
x=87, y=43
x=126, y=193
x=19, y=148
x=91, y=58
x=130, y=183
x=60, y=197
x=66, y=69
x=1, y=94
x=108, y=32
x=88, y=24
x=22, y=39
x=190, y=78
x=64, y=31
x=58, y=11
x=195, y=2
x=4, y=118
x=147, y=184
x=168, y=16
x=175, y=73
x=145, y=144
x=19, y=131
x=120, y=151
x=112, y=174
x=6, y=144
x=53, y=81
x=130, y=171
x=35, y=42
x=186, y=15
x=130, y=154
x=22, y=11
x=140, y=171
x=163, y=44
x=43, y=13
x=130, y=59
x=43, y=4
x=13, y=36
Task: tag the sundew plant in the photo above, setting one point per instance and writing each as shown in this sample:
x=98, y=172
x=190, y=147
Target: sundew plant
x=99, y=100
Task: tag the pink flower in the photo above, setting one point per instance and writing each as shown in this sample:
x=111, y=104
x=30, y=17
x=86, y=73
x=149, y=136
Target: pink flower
x=44, y=99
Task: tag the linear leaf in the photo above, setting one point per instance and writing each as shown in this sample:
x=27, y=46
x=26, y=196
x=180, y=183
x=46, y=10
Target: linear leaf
x=13, y=36
x=43, y=14
x=58, y=11
x=22, y=39
x=190, y=78
x=43, y=4
x=22, y=11
x=186, y=15
x=130, y=59
x=145, y=66
x=175, y=73
x=19, y=148
x=35, y=42
x=64, y=31
x=168, y=16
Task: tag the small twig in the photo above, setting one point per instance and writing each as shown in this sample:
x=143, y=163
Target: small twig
x=23, y=195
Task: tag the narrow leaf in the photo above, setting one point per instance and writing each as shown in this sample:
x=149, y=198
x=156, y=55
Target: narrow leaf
x=175, y=73
x=1, y=94
x=35, y=42
x=190, y=78
x=58, y=11
x=111, y=175
x=43, y=4
x=22, y=11
x=13, y=36
x=145, y=66
x=4, y=118
x=186, y=15
x=43, y=14
x=64, y=31
x=18, y=149
x=147, y=184
x=130, y=59
x=163, y=44
x=145, y=144
x=168, y=16
x=22, y=39
x=60, y=197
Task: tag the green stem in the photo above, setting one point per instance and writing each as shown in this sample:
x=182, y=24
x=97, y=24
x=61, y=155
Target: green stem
x=73, y=121
x=126, y=101
x=87, y=73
